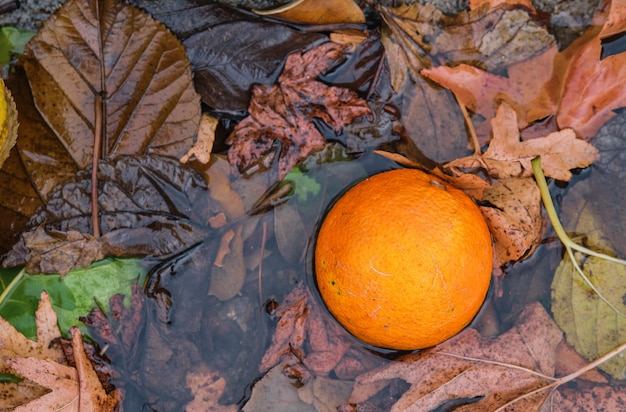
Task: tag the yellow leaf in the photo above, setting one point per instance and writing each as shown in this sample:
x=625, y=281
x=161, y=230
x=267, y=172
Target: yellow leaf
x=8, y=122
x=318, y=12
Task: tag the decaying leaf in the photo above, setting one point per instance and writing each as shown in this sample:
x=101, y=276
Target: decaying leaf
x=73, y=389
x=207, y=388
x=230, y=58
x=493, y=38
x=576, y=86
x=591, y=326
x=134, y=84
x=514, y=218
x=147, y=207
x=8, y=122
x=487, y=373
x=311, y=342
x=318, y=12
x=43, y=362
x=507, y=156
x=283, y=114
x=201, y=149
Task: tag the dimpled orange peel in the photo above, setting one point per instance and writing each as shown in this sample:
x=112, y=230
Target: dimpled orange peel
x=403, y=260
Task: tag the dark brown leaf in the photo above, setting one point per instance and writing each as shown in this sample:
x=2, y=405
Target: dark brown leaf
x=111, y=56
x=148, y=207
x=229, y=58
x=284, y=113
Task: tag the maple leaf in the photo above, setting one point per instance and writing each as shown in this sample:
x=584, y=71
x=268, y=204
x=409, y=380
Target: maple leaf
x=492, y=372
x=44, y=363
x=507, y=156
x=73, y=389
x=306, y=335
x=576, y=86
x=284, y=113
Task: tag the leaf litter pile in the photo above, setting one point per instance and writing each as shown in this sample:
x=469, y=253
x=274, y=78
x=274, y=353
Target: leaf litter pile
x=173, y=161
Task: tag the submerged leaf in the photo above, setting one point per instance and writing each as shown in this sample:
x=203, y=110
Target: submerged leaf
x=111, y=57
x=230, y=58
x=284, y=113
x=148, y=207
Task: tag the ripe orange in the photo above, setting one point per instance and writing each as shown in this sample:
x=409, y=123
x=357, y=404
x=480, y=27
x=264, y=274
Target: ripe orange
x=403, y=260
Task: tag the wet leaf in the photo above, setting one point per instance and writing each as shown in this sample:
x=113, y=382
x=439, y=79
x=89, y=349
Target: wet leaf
x=599, y=398
x=73, y=296
x=591, y=326
x=201, y=150
x=134, y=83
x=492, y=38
x=284, y=113
x=276, y=391
x=73, y=389
x=207, y=388
x=147, y=204
x=15, y=344
x=230, y=58
x=318, y=12
x=8, y=122
x=469, y=367
x=514, y=218
x=325, y=394
x=507, y=156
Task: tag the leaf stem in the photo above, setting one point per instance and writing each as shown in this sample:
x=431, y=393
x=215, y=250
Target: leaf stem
x=568, y=243
x=12, y=285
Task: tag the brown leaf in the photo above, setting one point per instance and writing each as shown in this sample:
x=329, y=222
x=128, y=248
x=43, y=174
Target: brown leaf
x=201, y=150
x=138, y=75
x=469, y=366
x=207, y=387
x=147, y=208
x=514, y=220
x=599, y=398
x=318, y=12
x=616, y=22
x=507, y=156
x=284, y=113
x=492, y=37
x=72, y=389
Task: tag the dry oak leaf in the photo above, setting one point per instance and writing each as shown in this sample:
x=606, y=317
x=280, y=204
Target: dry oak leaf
x=492, y=372
x=73, y=389
x=284, y=112
x=515, y=219
x=507, y=156
x=108, y=65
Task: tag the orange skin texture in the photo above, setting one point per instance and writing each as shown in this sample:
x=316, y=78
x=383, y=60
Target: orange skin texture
x=403, y=260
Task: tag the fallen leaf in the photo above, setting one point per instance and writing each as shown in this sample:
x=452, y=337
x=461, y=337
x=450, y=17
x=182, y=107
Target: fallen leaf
x=147, y=207
x=488, y=372
x=482, y=92
x=576, y=86
x=134, y=84
x=284, y=113
x=230, y=58
x=8, y=123
x=201, y=149
x=591, y=326
x=276, y=391
x=318, y=12
x=616, y=22
x=599, y=398
x=507, y=156
x=72, y=389
x=325, y=394
x=514, y=219
x=491, y=37
x=207, y=388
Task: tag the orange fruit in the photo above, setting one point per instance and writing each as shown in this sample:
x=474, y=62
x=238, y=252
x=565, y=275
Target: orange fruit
x=403, y=260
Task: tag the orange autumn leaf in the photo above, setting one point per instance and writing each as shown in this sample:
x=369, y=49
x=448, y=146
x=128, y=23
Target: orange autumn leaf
x=318, y=12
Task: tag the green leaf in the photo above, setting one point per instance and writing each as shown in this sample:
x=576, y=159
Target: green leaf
x=12, y=41
x=304, y=184
x=72, y=296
